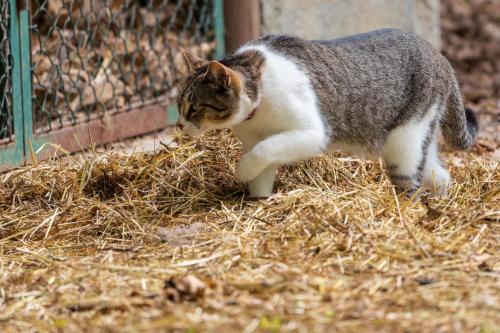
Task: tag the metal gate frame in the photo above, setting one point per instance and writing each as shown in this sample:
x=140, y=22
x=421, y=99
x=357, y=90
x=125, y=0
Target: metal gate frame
x=28, y=146
x=13, y=152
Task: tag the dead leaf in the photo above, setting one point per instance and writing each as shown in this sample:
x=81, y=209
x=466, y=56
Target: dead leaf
x=180, y=235
x=185, y=288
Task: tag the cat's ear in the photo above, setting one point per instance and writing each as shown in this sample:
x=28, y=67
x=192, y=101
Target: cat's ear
x=218, y=73
x=192, y=60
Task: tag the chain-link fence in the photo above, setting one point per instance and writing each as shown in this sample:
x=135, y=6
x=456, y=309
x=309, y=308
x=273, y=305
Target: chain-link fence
x=97, y=57
x=6, y=123
x=79, y=72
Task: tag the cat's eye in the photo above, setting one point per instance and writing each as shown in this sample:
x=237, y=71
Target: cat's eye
x=191, y=110
x=220, y=109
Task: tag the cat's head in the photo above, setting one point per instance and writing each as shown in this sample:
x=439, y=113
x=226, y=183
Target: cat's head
x=211, y=96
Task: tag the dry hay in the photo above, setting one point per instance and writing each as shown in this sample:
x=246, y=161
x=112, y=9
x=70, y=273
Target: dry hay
x=168, y=242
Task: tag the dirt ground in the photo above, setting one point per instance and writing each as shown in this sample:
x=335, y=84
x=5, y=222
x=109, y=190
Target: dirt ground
x=471, y=41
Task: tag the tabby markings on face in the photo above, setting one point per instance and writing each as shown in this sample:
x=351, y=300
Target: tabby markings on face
x=209, y=98
x=211, y=94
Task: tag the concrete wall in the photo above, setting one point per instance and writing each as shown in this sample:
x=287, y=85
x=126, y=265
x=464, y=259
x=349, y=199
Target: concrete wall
x=323, y=19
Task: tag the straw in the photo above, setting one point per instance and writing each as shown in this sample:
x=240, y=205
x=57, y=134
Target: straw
x=168, y=241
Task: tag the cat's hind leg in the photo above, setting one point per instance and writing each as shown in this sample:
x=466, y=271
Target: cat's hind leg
x=435, y=176
x=405, y=151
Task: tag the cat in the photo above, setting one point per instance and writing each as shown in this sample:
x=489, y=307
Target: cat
x=385, y=93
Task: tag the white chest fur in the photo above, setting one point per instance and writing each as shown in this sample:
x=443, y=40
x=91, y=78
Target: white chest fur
x=287, y=126
x=287, y=101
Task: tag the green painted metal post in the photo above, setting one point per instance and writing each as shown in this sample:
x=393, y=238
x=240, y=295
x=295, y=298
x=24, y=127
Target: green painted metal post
x=220, y=46
x=172, y=114
x=25, y=49
x=15, y=155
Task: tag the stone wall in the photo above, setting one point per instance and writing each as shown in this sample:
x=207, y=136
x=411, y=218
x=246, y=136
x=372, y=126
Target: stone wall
x=324, y=19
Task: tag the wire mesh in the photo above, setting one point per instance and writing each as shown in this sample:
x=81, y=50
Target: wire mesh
x=95, y=57
x=6, y=120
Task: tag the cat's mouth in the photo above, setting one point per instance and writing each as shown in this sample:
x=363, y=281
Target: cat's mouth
x=191, y=130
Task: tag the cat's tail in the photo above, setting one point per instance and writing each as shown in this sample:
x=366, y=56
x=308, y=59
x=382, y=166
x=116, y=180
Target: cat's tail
x=459, y=124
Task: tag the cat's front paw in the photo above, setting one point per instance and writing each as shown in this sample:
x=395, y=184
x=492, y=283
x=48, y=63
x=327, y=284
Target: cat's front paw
x=249, y=167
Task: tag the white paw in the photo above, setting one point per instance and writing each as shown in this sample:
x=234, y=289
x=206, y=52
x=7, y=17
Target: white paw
x=250, y=166
x=438, y=183
x=258, y=190
x=439, y=190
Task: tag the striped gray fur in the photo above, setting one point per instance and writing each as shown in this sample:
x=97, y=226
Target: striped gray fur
x=370, y=83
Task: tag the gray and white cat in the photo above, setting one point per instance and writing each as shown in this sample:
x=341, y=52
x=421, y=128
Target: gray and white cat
x=385, y=93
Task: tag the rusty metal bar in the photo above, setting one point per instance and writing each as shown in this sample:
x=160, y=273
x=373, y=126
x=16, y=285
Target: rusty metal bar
x=242, y=19
x=98, y=131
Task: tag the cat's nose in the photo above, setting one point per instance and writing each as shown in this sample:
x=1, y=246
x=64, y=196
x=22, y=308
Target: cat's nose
x=180, y=126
